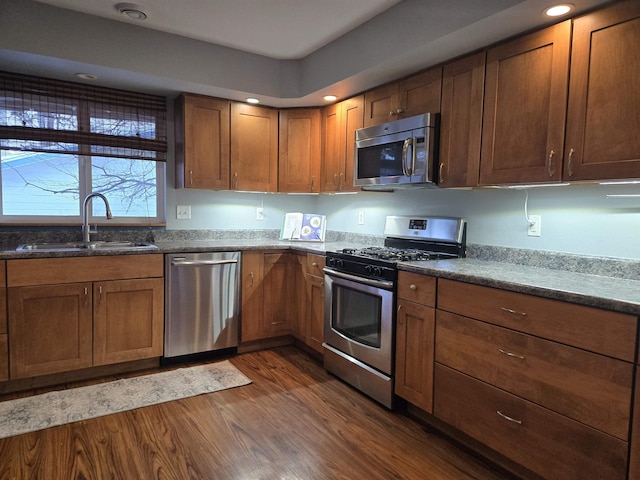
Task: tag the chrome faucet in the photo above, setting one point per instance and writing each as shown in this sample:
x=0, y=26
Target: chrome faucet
x=86, y=231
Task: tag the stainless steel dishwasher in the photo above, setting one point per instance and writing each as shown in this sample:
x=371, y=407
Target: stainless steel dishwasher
x=202, y=302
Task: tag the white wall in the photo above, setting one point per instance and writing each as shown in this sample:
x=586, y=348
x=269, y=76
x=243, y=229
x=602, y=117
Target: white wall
x=576, y=219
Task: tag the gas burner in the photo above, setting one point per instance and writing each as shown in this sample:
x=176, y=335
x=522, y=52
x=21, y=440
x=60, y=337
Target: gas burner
x=392, y=254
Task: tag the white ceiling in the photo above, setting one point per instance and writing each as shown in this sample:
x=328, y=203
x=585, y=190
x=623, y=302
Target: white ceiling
x=285, y=52
x=282, y=29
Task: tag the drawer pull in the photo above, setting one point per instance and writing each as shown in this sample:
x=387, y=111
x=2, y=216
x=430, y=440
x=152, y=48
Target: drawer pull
x=314, y=264
x=513, y=312
x=413, y=286
x=510, y=354
x=507, y=417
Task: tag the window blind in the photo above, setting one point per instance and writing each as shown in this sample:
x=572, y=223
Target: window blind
x=54, y=116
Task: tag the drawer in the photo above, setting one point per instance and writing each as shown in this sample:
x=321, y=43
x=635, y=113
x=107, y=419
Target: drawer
x=548, y=444
x=44, y=271
x=417, y=288
x=4, y=358
x=591, y=388
x=315, y=264
x=601, y=331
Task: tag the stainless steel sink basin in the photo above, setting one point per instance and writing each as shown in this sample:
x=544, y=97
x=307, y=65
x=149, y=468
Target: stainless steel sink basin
x=69, y=246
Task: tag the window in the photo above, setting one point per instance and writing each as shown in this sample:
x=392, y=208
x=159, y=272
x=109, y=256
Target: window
x=60, y=141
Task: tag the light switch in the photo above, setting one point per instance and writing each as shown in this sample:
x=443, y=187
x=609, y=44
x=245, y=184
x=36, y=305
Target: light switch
x=183, y=212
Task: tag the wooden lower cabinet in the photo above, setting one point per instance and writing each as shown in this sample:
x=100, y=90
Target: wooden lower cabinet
x=415, y=333
x=4, y=357
x=272, y=294
x=50, y=329
x=634, y=451
x=593, y=389
x=314, y=314
x=550, y=445
x=71, y=313
x=116, y=338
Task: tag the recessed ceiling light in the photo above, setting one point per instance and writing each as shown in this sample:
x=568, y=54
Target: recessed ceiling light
x=253, y=100
x=558, y=10
x=131, y=10
x=329, y=98
x=87, y=76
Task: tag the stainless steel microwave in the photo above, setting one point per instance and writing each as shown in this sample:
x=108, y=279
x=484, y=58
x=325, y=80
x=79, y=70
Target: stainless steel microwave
x=397, y=154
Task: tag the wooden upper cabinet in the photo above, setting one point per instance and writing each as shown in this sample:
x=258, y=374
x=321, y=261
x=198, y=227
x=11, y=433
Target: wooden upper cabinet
x=461, y=122
x=603, y=118
x=410, y=96
x=525, y=108
x=299, y=150
x=202, y=142
x=339, y=124
x=254, y=148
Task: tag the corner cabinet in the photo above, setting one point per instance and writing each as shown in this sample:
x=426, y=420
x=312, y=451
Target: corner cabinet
x=410, y=96
x=603, y=118
x=299, y=150
x=76, y=312
x=254, y=148
x=525, y=108
x=339, y=124
x=202, y=142
x=272, y=294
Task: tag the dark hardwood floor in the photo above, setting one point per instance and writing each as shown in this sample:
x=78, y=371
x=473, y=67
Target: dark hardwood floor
x=295, y=421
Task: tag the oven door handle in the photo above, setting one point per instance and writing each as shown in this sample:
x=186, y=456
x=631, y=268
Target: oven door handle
x=384, y=284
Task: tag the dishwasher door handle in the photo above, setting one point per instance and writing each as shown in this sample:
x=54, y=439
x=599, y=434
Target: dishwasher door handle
x=182, y=262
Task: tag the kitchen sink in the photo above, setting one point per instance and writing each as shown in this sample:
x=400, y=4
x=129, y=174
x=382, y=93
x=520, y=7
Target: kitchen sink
x=70, y=246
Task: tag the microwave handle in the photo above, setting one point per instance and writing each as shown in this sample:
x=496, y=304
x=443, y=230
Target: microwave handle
x=408, y=143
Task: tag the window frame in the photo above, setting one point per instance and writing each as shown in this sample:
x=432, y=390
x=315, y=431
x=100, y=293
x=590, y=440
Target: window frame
x=122, y=106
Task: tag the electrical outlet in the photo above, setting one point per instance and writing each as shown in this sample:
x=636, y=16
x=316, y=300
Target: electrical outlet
x=259, y=213
x=535, y=225
x=183, y=212
x=361, y=217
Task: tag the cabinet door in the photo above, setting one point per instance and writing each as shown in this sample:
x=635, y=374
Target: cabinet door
x=4, y=358
x=299, y=147
x=51, y=329
x=252, y=296
x=128, y=320
x=414, y=354
x=525, y=108
x=420, y=93
x=202, y=142
x=461, y=123
x=339, y=124
x=603, y=118
x=254, y=148
x=381, y=105
x=332, y=161
x=352, y=119
x=315, y=312
x=281, y=285
x=634, y=451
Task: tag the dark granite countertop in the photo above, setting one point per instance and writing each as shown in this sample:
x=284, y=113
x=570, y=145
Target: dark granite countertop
x=611, y=293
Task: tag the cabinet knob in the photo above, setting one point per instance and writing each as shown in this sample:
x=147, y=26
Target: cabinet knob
x=314, y=264
x=413, y=286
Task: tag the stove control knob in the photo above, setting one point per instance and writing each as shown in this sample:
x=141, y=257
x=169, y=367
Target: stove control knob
x=368, y=268
x=377, y=271
x=331, y=261
x=340, y=262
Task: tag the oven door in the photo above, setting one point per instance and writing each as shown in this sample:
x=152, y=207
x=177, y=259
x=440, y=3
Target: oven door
x=359, y=318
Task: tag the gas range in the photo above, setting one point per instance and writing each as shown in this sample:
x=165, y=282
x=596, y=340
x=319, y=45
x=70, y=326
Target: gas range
x=407, y=239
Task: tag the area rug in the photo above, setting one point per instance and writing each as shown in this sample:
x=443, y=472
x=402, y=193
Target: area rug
x=72, y=405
